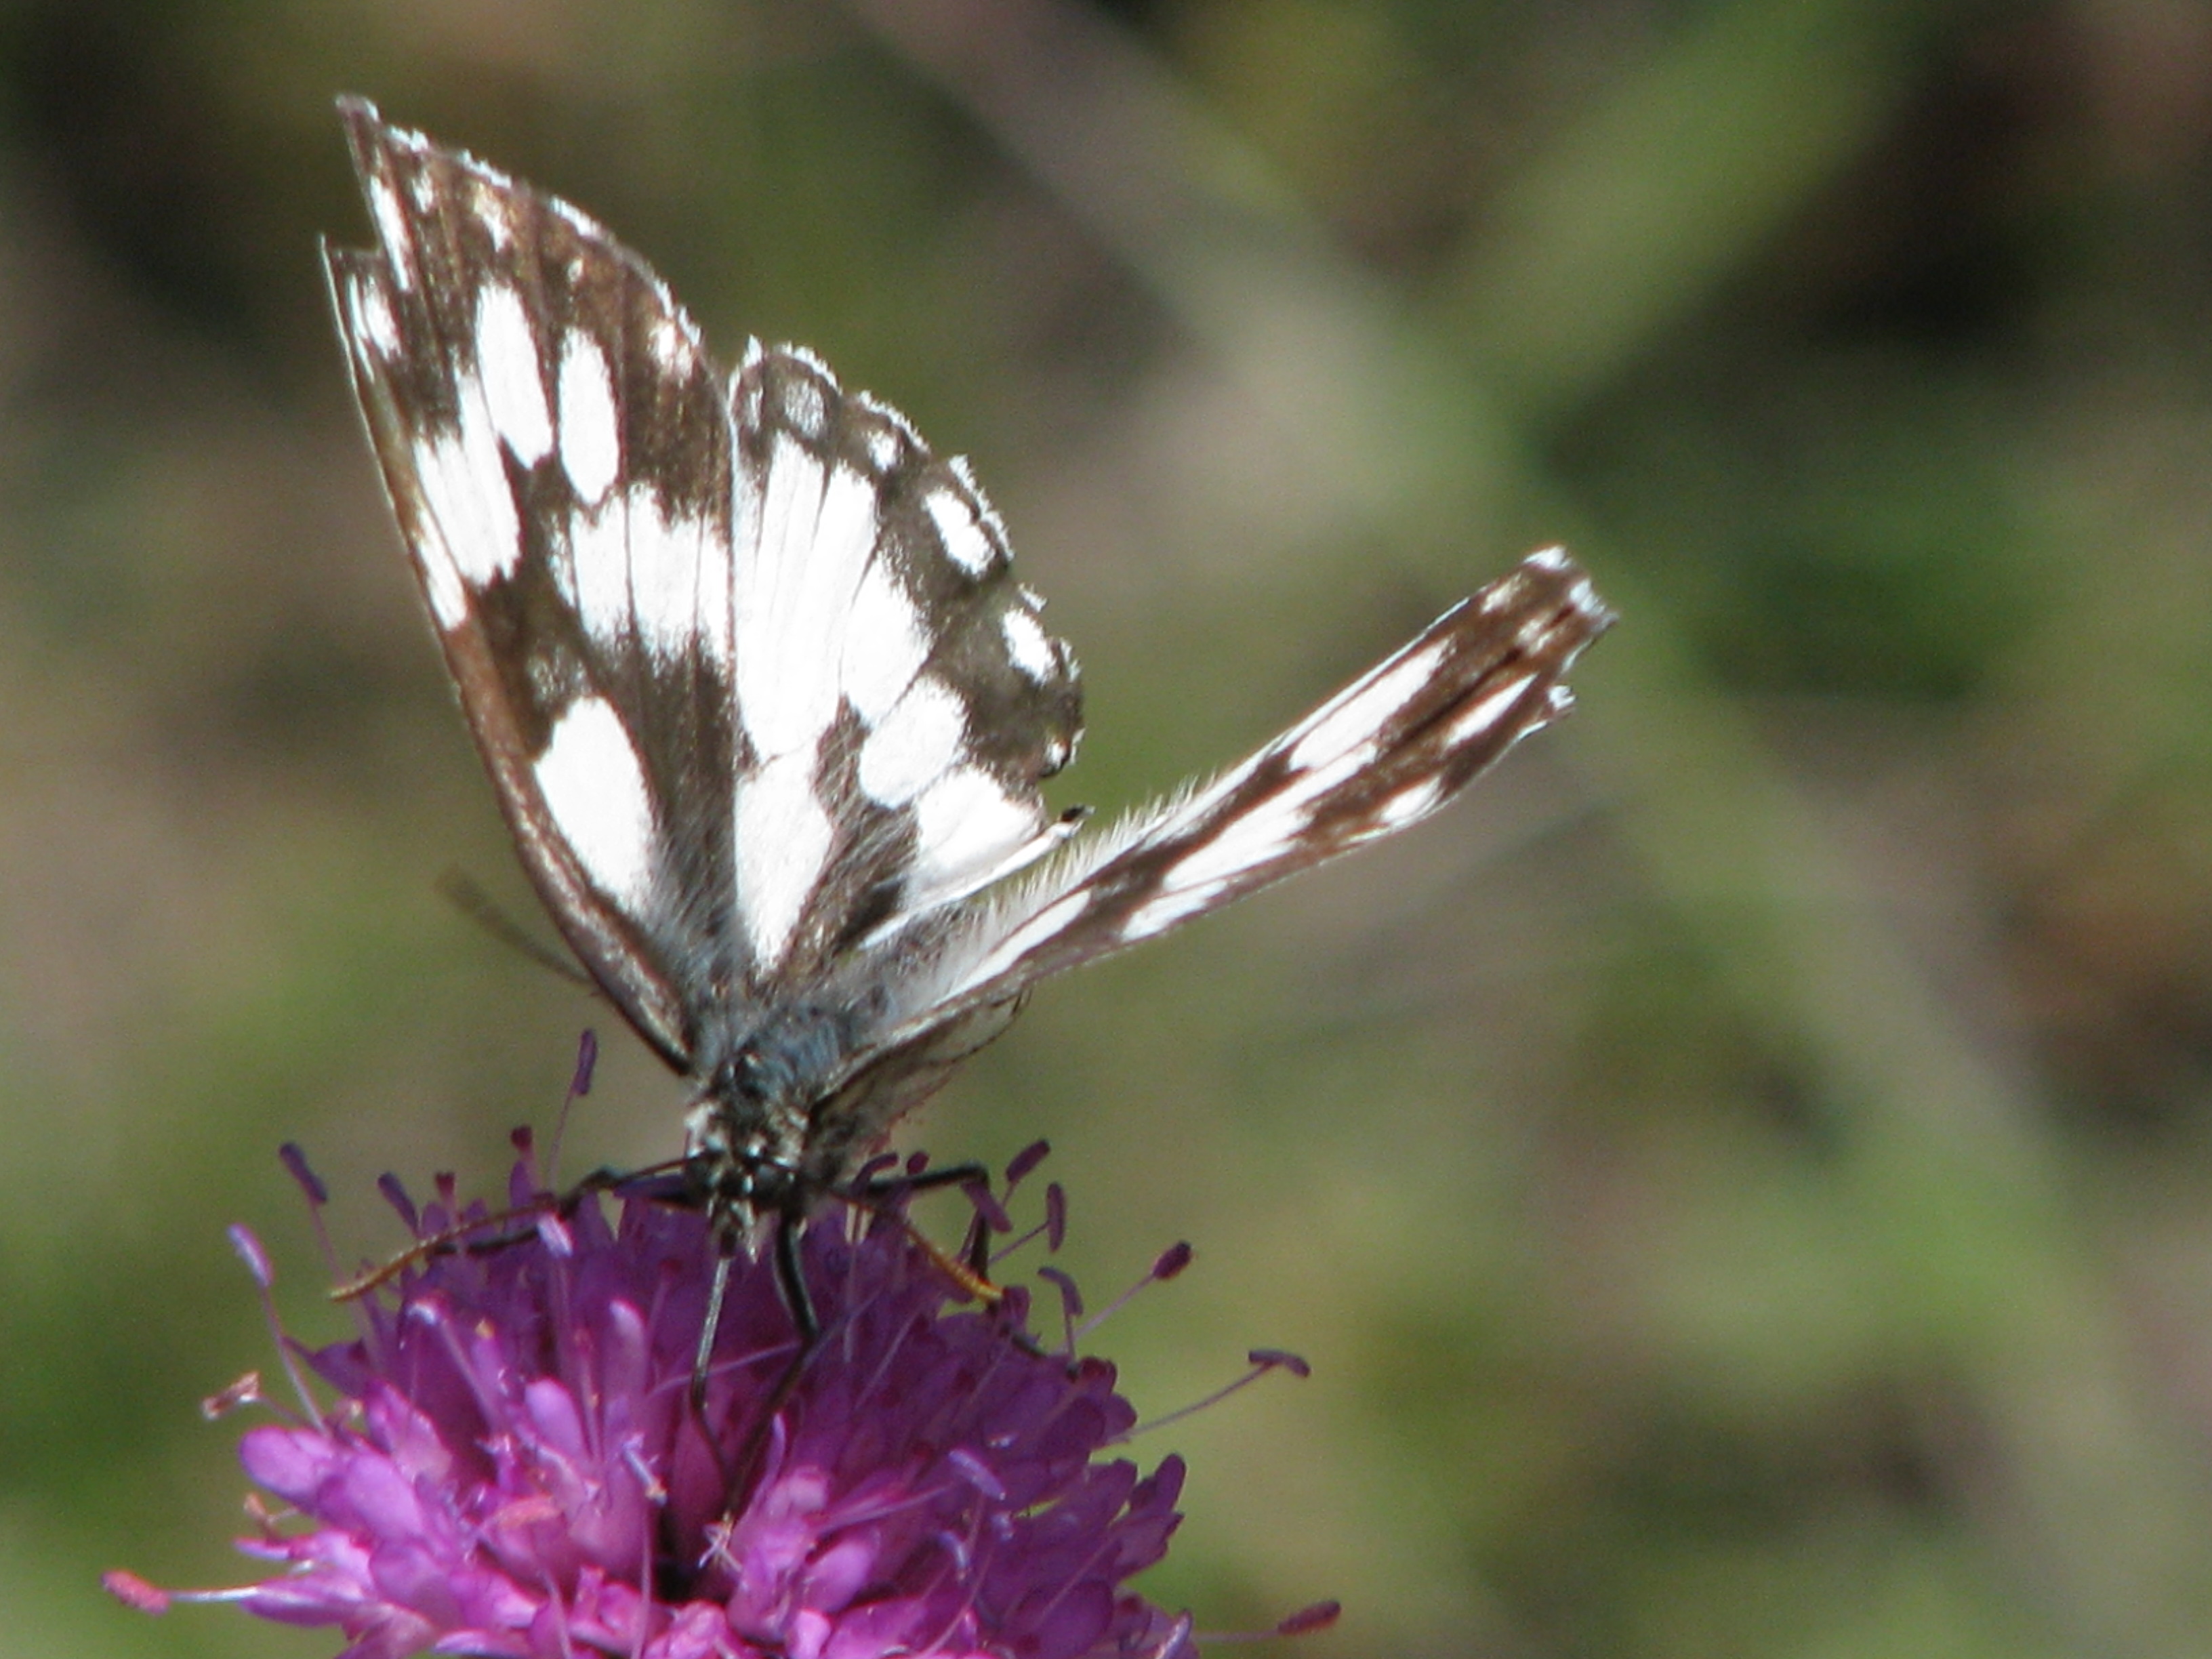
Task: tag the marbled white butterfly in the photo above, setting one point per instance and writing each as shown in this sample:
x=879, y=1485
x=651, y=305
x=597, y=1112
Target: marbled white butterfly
x=765, y=708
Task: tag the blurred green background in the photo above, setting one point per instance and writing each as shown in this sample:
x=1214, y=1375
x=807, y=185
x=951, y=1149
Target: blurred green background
x=1744, y=1180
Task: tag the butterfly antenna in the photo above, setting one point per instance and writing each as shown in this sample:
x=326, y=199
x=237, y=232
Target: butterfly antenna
x=460, y=890
x=971, y=1271
x=447, y=1240
x=972, y=1274
x=457, y=1236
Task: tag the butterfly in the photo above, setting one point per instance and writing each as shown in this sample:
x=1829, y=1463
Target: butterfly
x=765, y=708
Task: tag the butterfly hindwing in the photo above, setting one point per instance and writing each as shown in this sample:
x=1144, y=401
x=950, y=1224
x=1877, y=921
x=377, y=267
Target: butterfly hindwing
x=899, y=699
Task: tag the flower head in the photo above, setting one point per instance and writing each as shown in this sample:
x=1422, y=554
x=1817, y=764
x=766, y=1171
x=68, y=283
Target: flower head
x=514, y=1466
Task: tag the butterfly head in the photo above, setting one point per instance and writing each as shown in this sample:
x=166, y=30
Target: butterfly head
x=747, y=1138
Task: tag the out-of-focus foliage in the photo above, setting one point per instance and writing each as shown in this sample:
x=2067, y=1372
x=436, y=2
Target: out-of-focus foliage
x=1744, y=1181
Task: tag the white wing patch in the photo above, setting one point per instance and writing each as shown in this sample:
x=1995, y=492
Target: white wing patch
x=669, y=345
x=970, y=832
x=1353, y=716
x=1158, y=915
x=674, y=568
x=598, y=577
x=803, y=405
x=914, y=744
x=1410, y=806
x=595, y=790
x=464, y=486
x=1487, y=712
x=885, y=445
x=1253, y=838
x=379, y=324
x=1056, y=917
x=783, y=840
x=961, y=532
x=367, y=317
x=884, y=644
x=795, y=580
x=393, y=228
x=591, y=430
x=514, y=384
x=1029, y=647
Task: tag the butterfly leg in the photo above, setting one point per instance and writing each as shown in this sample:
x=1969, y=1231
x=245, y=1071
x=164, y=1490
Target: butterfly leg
x=710, y=1326
x=791, y=1282
x=944, y=1175
x=484, y=1235
x=806, y=1325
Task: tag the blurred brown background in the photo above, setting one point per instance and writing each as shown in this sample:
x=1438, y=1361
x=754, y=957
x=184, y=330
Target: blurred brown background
x=1744, y=1180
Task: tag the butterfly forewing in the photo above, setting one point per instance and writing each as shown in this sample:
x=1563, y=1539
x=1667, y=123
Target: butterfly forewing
x=746, y=662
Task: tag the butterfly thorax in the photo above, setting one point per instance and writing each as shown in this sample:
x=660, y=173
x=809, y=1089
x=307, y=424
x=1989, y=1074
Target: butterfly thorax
x=747, y=1141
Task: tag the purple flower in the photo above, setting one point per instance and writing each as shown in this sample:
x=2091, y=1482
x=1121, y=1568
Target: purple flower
x=514, y=1466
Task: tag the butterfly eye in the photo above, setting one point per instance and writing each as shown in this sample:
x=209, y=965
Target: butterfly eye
x=749, y=1075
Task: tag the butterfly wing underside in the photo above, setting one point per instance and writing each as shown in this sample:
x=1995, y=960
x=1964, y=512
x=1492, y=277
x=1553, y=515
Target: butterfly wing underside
x=745, y=659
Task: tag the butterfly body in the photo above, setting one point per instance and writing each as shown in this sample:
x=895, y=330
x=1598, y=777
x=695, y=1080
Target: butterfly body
x=765, y=709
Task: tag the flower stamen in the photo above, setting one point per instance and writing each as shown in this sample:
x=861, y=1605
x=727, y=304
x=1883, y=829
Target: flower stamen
x=1262, y=1362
